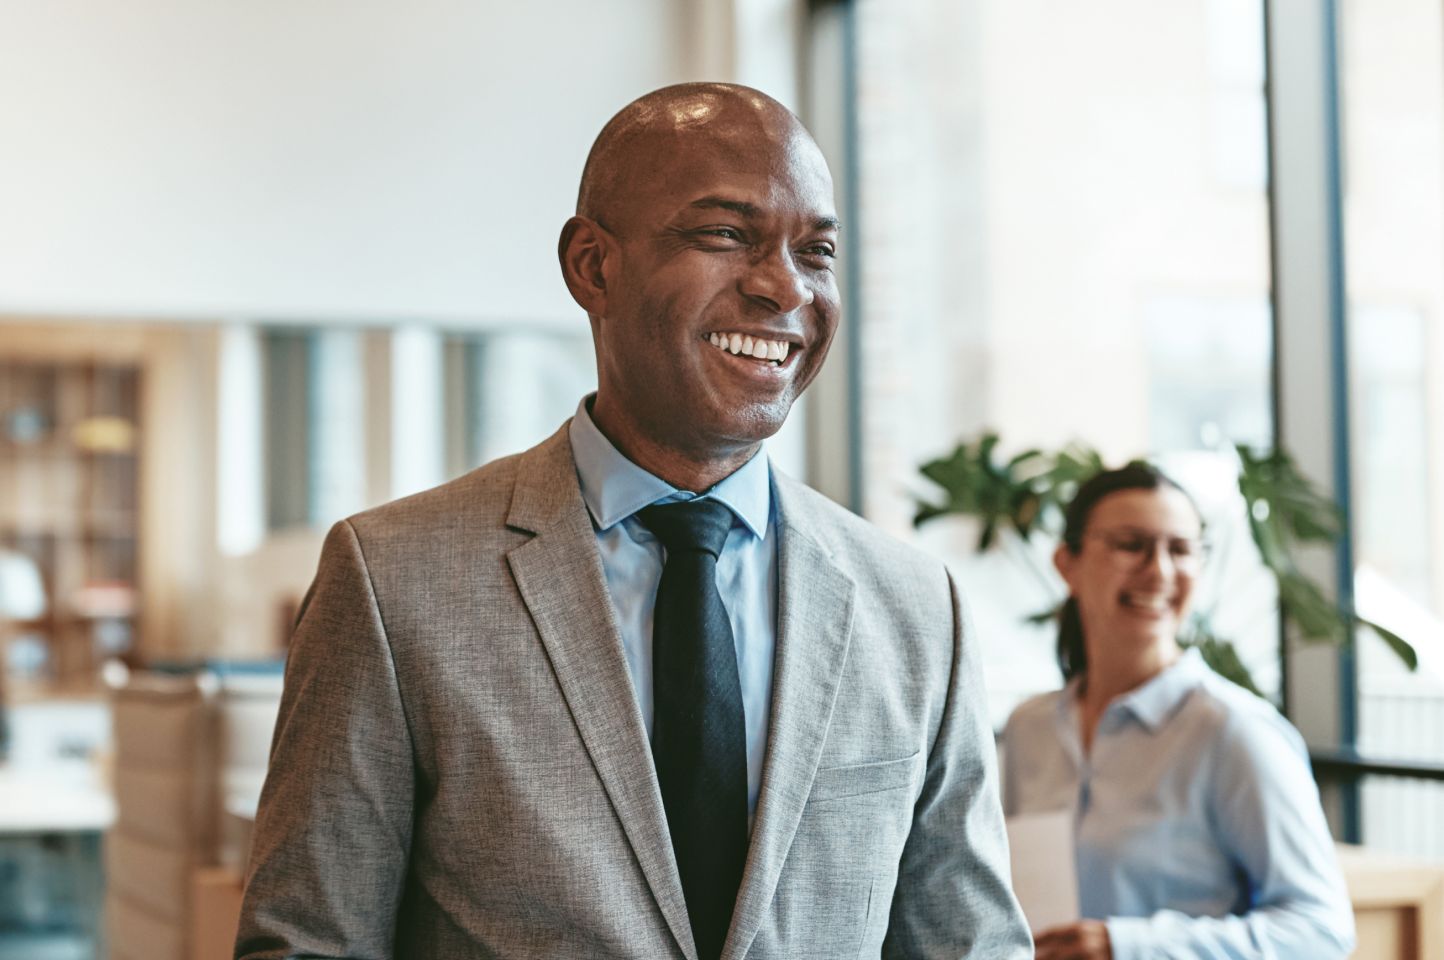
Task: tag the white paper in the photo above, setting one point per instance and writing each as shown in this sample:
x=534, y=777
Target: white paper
x=1045, y=875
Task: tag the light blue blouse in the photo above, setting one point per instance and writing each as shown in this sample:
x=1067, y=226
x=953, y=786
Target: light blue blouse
x=1196, y=819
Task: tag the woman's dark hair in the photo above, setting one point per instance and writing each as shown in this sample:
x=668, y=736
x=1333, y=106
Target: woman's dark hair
x=1072, y=654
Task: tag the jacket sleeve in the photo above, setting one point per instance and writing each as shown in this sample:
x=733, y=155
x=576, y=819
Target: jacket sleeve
x=1265, y=811
x=333, y=832
x=954, y=895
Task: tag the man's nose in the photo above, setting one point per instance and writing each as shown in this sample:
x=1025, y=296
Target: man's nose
x=774, y=281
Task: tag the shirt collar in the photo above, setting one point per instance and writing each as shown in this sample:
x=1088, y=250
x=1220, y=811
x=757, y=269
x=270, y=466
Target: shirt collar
x=1153, y=702
x=614, y=487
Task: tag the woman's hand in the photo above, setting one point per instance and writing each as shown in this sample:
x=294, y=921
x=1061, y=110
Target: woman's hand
x=1084, y=940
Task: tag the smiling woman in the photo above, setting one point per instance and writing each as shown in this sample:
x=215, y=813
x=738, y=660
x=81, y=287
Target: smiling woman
x=1197, y=826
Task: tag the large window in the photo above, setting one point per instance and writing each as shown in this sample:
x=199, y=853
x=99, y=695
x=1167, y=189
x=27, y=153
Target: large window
x=1065, y=228
x=353, y=417
x=315, y=426
x=1392, y=98
x=509, y=390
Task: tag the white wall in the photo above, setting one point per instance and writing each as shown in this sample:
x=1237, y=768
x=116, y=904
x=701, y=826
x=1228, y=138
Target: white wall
x=307, y=160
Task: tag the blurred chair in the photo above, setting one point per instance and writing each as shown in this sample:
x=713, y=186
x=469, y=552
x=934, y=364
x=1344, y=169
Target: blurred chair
x=165, y=788
x=191, y=755
x=249, y=703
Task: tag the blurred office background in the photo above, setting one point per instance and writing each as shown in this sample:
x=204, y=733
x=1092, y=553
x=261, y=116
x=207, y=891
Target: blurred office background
x=265, y=265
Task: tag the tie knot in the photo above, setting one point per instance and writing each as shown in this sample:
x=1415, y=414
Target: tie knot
x=689, y=525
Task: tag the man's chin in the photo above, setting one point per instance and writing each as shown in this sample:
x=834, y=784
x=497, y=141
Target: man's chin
x=717, y=419
x=751, y=421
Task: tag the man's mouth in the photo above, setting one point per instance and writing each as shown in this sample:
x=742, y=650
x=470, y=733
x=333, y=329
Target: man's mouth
x=773, y=352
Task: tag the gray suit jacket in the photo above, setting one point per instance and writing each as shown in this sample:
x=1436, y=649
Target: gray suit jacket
x=460, y=767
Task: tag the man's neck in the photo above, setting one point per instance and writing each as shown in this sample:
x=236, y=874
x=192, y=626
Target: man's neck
x=694, y=471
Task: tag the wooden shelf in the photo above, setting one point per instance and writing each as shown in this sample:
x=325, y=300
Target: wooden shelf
x=73, y=510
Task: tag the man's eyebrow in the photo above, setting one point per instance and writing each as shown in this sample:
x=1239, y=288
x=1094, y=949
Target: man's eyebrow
x=752, y=212
x=740, y=207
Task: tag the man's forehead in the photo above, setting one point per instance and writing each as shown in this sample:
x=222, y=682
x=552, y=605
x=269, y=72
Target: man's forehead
x=768, y=178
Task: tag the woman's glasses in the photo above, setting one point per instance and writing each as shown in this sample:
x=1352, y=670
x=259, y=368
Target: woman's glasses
x=1130, y=550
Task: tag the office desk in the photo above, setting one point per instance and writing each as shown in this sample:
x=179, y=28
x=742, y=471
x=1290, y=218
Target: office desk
x=52, y=817
x=65, y=796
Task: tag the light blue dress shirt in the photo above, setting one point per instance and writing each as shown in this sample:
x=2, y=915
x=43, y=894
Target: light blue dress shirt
x=1197, y=822
x=614, y=489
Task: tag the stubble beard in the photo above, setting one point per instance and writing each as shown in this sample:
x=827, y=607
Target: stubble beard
x=689, y=414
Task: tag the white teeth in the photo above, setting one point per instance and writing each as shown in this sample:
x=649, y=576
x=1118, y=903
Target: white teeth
x=774, y=351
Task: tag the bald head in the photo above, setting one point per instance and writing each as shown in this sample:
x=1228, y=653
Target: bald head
x=702, y=252
x=641, y=148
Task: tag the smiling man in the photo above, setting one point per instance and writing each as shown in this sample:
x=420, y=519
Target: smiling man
x=633, y=693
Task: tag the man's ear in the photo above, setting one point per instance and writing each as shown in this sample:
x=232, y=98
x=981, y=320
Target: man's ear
x=584, y=249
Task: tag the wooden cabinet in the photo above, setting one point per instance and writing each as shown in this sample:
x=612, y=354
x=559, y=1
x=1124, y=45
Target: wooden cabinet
x=69, y=445
x=1398, y=904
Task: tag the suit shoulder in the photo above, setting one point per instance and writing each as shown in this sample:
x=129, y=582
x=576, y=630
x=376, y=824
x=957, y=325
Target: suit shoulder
x=849, y=538
x=484, y=493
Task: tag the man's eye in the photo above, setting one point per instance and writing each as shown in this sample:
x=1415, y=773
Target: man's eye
x=819, y=250
x=1132, y=546
x=727, y=233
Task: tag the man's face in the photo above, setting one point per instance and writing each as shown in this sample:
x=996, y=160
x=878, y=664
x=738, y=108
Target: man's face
x=733, y=247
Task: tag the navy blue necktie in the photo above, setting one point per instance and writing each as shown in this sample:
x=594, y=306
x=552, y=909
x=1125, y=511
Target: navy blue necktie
x=699, y=738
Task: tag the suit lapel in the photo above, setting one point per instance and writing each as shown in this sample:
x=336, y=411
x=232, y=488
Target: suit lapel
x=560, y=576
x=814, y=627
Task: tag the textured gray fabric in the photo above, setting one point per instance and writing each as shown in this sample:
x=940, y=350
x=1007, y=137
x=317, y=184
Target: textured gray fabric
x=460, y=768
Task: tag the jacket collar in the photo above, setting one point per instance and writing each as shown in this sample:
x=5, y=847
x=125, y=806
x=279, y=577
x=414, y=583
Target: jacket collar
x=815, y=604
x=559, y=574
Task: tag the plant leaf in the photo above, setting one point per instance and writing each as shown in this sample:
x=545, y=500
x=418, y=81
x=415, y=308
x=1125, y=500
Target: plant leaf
x=1220, y=655
x=1285, y=508
x=1304, y=603
x=1401, y=647
x=1292, y=504
x=1021, y=494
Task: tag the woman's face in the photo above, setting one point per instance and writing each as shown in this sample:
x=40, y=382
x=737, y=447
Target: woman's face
x=1134, y=574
